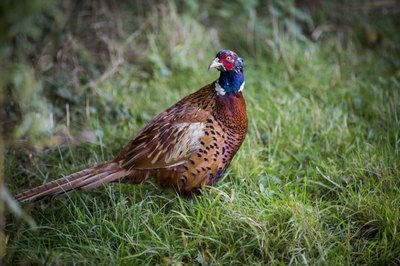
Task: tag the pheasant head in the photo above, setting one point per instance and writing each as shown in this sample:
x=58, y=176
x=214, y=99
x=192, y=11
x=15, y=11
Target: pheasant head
x=231, y=79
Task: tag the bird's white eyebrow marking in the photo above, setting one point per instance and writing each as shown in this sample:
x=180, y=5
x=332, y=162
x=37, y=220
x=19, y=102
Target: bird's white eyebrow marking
x=219, y=89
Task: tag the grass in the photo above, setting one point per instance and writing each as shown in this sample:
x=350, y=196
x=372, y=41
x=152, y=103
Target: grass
x=316, y=181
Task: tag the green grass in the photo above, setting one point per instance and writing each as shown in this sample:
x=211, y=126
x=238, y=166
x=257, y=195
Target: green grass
x=315, y=182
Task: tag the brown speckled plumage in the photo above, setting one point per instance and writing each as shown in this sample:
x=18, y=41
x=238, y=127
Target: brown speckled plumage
x=186, y=147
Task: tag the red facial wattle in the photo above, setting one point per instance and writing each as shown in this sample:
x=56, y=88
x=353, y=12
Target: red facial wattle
x=228, y=61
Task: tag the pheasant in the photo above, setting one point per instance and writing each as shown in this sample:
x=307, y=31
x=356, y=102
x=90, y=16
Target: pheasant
x=186, y=147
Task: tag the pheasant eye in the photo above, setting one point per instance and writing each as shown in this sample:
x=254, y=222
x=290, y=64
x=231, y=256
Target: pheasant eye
x=228, y=58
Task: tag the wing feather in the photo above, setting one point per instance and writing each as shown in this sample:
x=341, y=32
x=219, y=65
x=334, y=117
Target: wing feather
x=164, y=142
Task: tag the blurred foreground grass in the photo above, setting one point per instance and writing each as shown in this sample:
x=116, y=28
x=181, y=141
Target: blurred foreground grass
x=316, y=181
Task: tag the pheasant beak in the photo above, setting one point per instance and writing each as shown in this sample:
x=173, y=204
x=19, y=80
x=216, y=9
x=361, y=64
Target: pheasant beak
x=216, y=64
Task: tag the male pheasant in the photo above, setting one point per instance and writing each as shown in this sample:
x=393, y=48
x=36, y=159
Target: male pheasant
x=186, y=147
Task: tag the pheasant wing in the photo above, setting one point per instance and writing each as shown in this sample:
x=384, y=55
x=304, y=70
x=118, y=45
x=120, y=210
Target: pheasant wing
x=167, y=141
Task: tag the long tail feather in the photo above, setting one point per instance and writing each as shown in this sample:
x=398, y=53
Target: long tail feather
x=86, y=179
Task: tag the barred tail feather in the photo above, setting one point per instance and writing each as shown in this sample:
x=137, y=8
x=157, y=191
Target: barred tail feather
x=83, y=180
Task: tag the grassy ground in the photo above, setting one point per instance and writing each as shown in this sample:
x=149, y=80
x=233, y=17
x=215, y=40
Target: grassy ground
x=316, y=181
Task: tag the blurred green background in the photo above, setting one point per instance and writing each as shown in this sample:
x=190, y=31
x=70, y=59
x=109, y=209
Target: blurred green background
x=315, y=182
x=57, y=53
